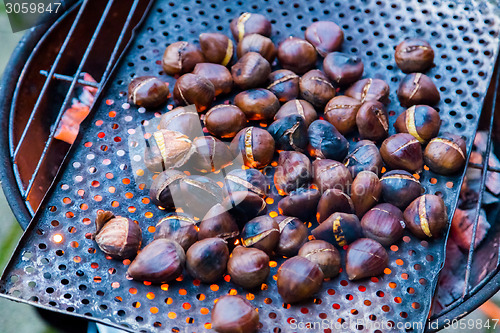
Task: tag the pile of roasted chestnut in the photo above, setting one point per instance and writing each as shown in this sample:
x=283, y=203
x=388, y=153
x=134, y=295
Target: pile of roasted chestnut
x=319, y=173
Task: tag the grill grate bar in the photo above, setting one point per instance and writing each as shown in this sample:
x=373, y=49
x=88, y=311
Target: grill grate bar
x=68, y=78
x=480, y=166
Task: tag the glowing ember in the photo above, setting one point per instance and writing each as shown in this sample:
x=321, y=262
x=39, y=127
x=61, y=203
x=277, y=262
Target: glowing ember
x=57, y=238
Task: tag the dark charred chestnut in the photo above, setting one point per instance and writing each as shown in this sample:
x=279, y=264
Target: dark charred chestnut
x=289, y=133
x=257, y=43
x=326, y=142
x=399, y=188
x=446, y=154
x=257, y=104
x=300, y=203
x=341, y=112
x=244, y=206
x=366, y=191
x=333, y=201
x=293, y=234
x=369, y=90
x=426, y=216
x=297, y=54
x=262, y=233
x=183, y=119
x=342, y=68
x=181, y=57
x=299, y=279
x=284, y=84
x=417, y=88
x=364, y=156
x=165, y=189
x=194, y=89
x=148, y=91
x=324, y=254
x=293, y=171
x=365, y=258
x=160, y=261
x=177, y=227
x=224, y=121
x=200, y=194
x=246, y=180
x=234, y=314
x=251, y=71
x=316, y=89
x=300, y=107
x=372, y=121
x=210, y=154
x=340, y=229
x=402, y=151
x=217, y=48
x=219, y=75
x=421, y=121
x=250, y=23
x=414, y=55
x=325, y=36
x=248, y=267
x=206, y=259
x=218, y=223
x=384, y=223
x=167, y=149
x=255, y=145
x=331, y=174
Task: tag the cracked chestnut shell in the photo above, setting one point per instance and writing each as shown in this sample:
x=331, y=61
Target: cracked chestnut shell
x=206, y=259
x=324, y=254
x=316, y=88
x=255, y=145
x=257, y=104
x=446, y=155
x=342, y=68
x=148, y=91
x=341, y=112
x=297, y=55
x=369, y=90
x=399, y=188
x=417, y=88
x=181, y=57
x=426, y=216
x=248, y=267
x=402, y=151
x=160, y=261
x=257, y=43
x=165, y=189
x=246, y=180
x=167, y=149
x=217, y=48
x=262, y=233
x=177, y=227
x=251, y=71
x=299, y=279
x=183, y=119
x=414, y=55
x=331, y=174
x=234, y=314
x=250, y=23
x=224, y=121
x=194, y=89
x=333, y=201
x=366, y=191
x=293, y=234
x=298, y=107
x=372, y=121
x=364, y=156
x=326, y=142
x=325, y=36
x=200, y=193
x=340, y=229
x=293, y=171
x=218, y=223
x=289, y=133
x=300, y=203
x=284, y=84
x=219, y=75
x=421, y=121
x=210, y=154
x=384, y=223
x=244, y=206
x=365, y=258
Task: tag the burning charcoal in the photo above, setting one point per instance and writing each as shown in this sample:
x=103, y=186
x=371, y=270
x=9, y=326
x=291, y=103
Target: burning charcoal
x=462, y=225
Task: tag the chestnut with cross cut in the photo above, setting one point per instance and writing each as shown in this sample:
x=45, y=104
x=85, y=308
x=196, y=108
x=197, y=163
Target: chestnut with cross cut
x=297, y=55
x=417, y=88
x=181, y=57
x=426, y=216
x=177, y=227
x=148, y=91
x=219, y=75
x=316, y=88
x=250, y=23
x=372, y=121
x=343, y=69
x=369, y=90
x=341, y=112
x=194, y=89
x=414, y=55
x=217, y=48
x=421, y=121
x=446, y=154
x=284, y=84
x=299, y=107
x=289, y=133
x=255, y=145
x=340, y=229
x=402, y=151
x=325, y=36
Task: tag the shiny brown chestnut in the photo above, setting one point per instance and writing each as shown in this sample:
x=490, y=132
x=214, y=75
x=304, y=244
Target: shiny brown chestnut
x=194, y=89
x=293, y=234
x=251, y=71
x=177, y=227
x=372, y=121
x=167, y=149
x=206, y=260
x=300, y=203
x=333, y=201
x=417, y=88
x=342, y=68
x=326, y=142
x=366, y=191
x=284, y=84
x=160, y=261
x=446, y=154
x=248, y=267
x=340, y=229
x=331, y=174
x=426, y=216
x=262, y=233
x=365, y=258
x=210, y=154
x=289, y=133
x=421, y=121
x=316, y=88
x=250, y=23
x=219, y=75
x=200, y=194
x=217, y=48
x=218, y=222
x=181, y=57
x=255, y=145
x=165, y=189
x=364, y=156
x=257, y=43
x=224, y=121
x=300, y=107
x=414, y=55
x=148, y=91
x=399, y=188
x=234, y=314
x=384, y=223
x=244, y=206
x=297, y=55
x=299, y=279
x=341, y=112
x=324, y=254
x=402, y=151
x=369, y=90
x=183, y=119
x=257, y=104
x=325, y=36
x=293, y=171
x=246, y=180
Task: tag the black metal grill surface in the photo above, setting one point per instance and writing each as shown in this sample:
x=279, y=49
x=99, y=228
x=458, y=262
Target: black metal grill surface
x=58, y=266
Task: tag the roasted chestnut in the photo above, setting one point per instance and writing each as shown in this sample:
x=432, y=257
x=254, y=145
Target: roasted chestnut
x=297, y=54
x=167, y=149
x=178, y=227
x=341, y=112
x=366, y=191
x=244, y=206
x=414, y=55
x=206, y=260
x=250, y=23
x=251, y=71
x=165, y=189
x=325, y=36
x=299, y=279
x=364, y=156
x=289, y=133
x=340, y=229
x=257, y=104
x=300, y=203
x=224, y=121
x=262, y=233
x=234, y=314
x=372, y=121
x=218, y=223
x=316, y=88
x=426, y=216
x=417, y=88
x=160, y=261
x=384, y=223
x=148, y=91
x=255, y=145
x=300, y=107
x=333, y=201
x=293, y=234
x=217, y=48
x=219, y=75
x=194, y=89
x=365, y=258
x=246, y=180
x=369, y=90
x=446, y=154
x=210, y=154
x=293, y=171
x=331, y=174
x=180, y=58
x=402, y=151
x=324, y=254
x=342, y=68
x=326, y=142
x=248, y=267
x=119, y=237
x=399, y=188
x=257, y=43
x=284, y=84
x=421, y=121
x=200, y=194
x=183, y=119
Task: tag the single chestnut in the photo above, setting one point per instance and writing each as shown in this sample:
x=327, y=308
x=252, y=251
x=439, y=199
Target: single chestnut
x=293, y=234
x=210, y=154
x=364, y=156
x=289, y=133
x=148, y=91
x=165, y=189
x=194, y=89
x=160, y=261
x=248, y=267
x=340, y=229
x=384, y=223
x=293, y=171
x=178, y=227
x=262, y=233
x=233, y=313
x=331, y=174
x=218, y=222
x=246, y=180
x=183, y=119
x=181, y=57
x=325, y=36
x=421, y=121
x=300, y=203
x=366, y=192
x=326, y=142
x=372, y=121
x=417, y=88
x=250, y=23
x=342, y=68
x=299, y=279
x=402, y=151
x=217, y=48
x=333, y=201
x=244, y=206
x=255, y=145
x=426, y=216
x=257, y=104
x=219, y=75
x=399, y=188
x=316, y=88
x=324, y=254
x=341, y=112
x=119, y=237
x=167, y=149
x=224, y=121
x=365, y=258
x=206, y=260
x=414, y=55
x=257, y=43
x=369, y=90
x=251, y=71
x=284, y=84
x=300, y=107
x=297, y=55
x=200, y=194
x=446, y=155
